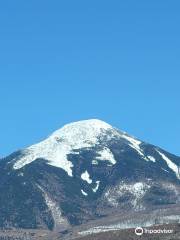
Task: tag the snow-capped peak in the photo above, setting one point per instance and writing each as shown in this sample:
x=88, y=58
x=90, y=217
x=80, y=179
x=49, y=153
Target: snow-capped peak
x=62, y=142
x=77, y=132
x=78, y=135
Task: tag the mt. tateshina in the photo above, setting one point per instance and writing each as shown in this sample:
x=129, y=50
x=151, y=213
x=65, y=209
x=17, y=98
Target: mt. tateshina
x=89, y=174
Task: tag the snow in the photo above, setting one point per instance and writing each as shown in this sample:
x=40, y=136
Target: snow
x=134, y=143
x=151, y=158
x=86, y=177
x=55, y=153
x=106, y=155
x=137, y=189
x=171, y=187
x=73, y=137
x=165, y=170
x=97, y=187
x=84, y=193
x=132, y=223
x=62, y=142
x=83, y=133
x=170, y=164
x=96, y=230
x=21, y=174
x=54, y=208
x=94, y=162
x=115, y=227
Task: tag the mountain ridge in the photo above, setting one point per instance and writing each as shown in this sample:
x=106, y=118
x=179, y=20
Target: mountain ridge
x=82, y=172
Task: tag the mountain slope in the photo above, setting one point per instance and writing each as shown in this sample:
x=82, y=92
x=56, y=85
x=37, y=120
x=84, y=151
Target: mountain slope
x=85, y=171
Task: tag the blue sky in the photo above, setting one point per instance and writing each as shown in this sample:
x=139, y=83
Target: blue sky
x=62, y=61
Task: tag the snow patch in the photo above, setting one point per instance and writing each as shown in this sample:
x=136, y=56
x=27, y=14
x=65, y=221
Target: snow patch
x=86, y=177
x=165, y=170
x=94, y=162
x=71, y=137
x=151, y=158
x=171, y=187
x=54, y=208
x=84, y=193
x=97, y=186
x=135, y=144
x=132, y=223
x=138, y=190
x=170, y=164
x=21, y=174
x=106, y=155
x=50, y=150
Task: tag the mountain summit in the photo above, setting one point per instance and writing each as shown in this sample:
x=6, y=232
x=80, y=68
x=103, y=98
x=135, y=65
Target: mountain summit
x=84, y=172
x=73, y=136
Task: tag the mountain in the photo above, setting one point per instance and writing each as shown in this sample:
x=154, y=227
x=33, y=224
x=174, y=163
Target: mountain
x=88, y=172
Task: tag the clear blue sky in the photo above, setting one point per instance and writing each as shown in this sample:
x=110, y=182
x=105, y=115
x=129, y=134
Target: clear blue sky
x=62, y=61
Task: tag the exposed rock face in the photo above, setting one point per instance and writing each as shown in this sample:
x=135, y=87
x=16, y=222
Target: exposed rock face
x=82, y=172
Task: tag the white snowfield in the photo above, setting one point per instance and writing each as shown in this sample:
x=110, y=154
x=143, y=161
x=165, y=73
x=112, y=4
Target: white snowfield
x=83, y=134
x=170, y=164
x=137, y=189
x=135, y=144
x=106, y=155
x=73, y=136
x=86, y=177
